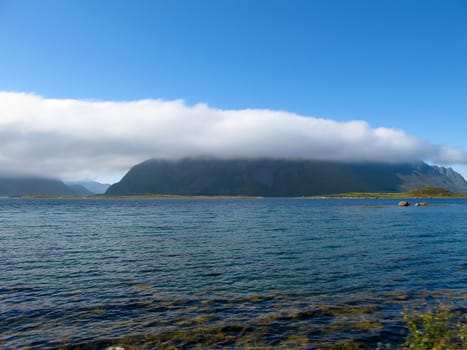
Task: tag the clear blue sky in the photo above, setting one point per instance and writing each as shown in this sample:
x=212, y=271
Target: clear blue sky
x=399, y=63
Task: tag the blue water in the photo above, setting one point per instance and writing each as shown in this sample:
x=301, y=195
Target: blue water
x=89, y=274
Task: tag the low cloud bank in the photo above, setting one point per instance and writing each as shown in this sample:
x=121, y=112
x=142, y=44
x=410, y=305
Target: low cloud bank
x=72, y=139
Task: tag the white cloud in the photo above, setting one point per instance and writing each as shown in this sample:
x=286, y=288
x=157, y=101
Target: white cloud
x=74, y=139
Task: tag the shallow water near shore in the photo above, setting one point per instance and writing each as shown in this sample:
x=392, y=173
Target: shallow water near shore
x=224, y=273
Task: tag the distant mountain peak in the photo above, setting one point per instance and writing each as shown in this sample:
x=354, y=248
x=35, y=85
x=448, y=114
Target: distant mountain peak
x=92, y=187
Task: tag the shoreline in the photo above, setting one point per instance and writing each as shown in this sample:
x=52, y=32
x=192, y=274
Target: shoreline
x=422, y=193
x=187, y=197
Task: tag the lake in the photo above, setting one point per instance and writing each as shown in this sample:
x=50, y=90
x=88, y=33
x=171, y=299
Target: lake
x=223, y=273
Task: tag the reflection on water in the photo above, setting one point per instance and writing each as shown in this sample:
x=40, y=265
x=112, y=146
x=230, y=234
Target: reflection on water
x=82, y=274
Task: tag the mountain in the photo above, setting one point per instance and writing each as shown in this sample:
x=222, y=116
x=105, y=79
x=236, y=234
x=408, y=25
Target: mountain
x=79, y=190
x=279, y=177
x=17, y=186
x=433, y=176
x=91, y=187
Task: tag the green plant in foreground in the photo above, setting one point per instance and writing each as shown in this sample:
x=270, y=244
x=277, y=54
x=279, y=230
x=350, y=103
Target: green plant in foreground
x=435, y=329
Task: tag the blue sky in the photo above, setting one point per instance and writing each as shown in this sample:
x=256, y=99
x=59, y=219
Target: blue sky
x=394, y=64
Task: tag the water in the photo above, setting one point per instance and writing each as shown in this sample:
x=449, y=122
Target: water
x=296, y=273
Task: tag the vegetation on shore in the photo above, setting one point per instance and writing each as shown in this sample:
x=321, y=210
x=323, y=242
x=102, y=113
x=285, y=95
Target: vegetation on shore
x=435, y=327
x=144, y=196
x=424, y=192
x=170, y=196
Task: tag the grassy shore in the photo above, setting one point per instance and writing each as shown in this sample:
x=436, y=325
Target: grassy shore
x=144, y=196
x=425, y=192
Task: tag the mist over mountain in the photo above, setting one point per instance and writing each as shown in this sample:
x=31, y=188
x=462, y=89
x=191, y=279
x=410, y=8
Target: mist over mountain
x=85, y=139
x=280, y=177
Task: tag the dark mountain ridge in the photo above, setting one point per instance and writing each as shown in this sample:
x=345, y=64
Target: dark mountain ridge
x=280, y=177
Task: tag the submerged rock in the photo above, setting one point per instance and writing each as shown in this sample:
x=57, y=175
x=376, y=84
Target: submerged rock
x=421, y=204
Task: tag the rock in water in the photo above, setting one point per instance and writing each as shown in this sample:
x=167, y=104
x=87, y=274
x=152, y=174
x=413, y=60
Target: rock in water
x=404, y=204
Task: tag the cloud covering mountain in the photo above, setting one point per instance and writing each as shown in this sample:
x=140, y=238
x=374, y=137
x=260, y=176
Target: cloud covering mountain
x=74, y=139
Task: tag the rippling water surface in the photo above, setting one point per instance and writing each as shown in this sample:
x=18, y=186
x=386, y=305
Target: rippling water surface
x=291, y=273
